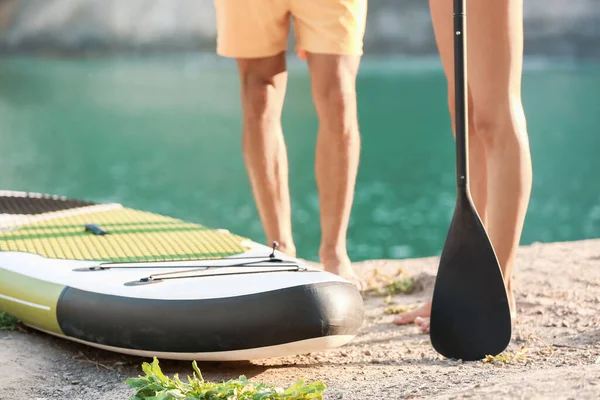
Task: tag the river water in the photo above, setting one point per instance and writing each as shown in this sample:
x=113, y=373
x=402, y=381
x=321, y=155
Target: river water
x=163, y=134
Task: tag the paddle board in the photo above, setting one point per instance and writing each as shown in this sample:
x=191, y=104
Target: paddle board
x=140, y=283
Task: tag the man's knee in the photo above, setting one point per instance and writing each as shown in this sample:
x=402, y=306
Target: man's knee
x=334, y=91
x=256, y=92
x=335, y=98
x=262, y=84
x=338, y=109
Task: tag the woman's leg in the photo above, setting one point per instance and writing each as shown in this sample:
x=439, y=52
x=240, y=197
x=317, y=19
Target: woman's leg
x=497, y=119
x=477, y=185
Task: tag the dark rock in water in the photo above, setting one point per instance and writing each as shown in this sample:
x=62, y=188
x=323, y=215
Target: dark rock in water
x=552, y=27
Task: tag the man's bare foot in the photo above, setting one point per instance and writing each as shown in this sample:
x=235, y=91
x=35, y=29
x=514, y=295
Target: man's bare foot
x=347, y=272
x=343, y=267
x=288, y=250
x=423, y=311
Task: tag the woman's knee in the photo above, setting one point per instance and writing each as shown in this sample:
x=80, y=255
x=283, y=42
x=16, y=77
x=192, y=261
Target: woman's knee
x=492, y=121
x=500, y=122
x=452, y=110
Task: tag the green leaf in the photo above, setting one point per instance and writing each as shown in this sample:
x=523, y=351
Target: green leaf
x=158, y=372
x=8, y=321
x=156, y=386
x=198, y=373
x=159, y=396
x=175, y=394
x=147, y=368
x=137, y=383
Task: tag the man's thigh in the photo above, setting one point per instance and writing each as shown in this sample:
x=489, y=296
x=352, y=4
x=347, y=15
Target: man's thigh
x=334, y=27
x=252, y=28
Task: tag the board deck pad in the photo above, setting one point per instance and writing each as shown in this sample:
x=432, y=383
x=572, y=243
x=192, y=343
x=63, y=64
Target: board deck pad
x=24, y=203
x=55, y=227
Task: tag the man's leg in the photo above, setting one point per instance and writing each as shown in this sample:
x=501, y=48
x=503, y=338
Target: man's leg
x=255, y=33
x=263, y=84
x=337, y=154
x=330, y=33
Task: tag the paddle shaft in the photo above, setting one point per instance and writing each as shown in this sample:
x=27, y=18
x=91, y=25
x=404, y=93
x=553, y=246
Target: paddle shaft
x=470, y=314
x=460, y=93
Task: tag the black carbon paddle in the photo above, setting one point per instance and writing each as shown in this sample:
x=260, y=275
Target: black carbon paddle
x=470, y=315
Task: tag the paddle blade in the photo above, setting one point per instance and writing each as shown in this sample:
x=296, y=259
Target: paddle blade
x=470, y=315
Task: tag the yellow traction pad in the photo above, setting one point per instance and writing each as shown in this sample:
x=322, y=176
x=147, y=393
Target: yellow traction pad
x=131, y=235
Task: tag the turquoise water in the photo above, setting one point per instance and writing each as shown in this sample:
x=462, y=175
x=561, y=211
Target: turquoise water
x=163, y=134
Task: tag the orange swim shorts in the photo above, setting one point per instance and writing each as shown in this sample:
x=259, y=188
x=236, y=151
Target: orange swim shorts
x=260, y=28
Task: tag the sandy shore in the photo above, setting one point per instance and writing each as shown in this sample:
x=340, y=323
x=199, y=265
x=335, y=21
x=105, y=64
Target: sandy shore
x=556, y=338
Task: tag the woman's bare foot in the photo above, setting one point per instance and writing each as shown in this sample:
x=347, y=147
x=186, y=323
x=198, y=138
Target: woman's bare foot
x=342, y=266
x=513, y=306
x=423, y=324
x=423, y=311
x=420, y=316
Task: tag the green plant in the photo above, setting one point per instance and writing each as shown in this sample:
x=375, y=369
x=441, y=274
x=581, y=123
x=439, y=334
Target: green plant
x=402, y=285
x=156, y=386
x=507, y=357
x=8, y=321
x=396, y=309
x=387, y=285
x=523, y=354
